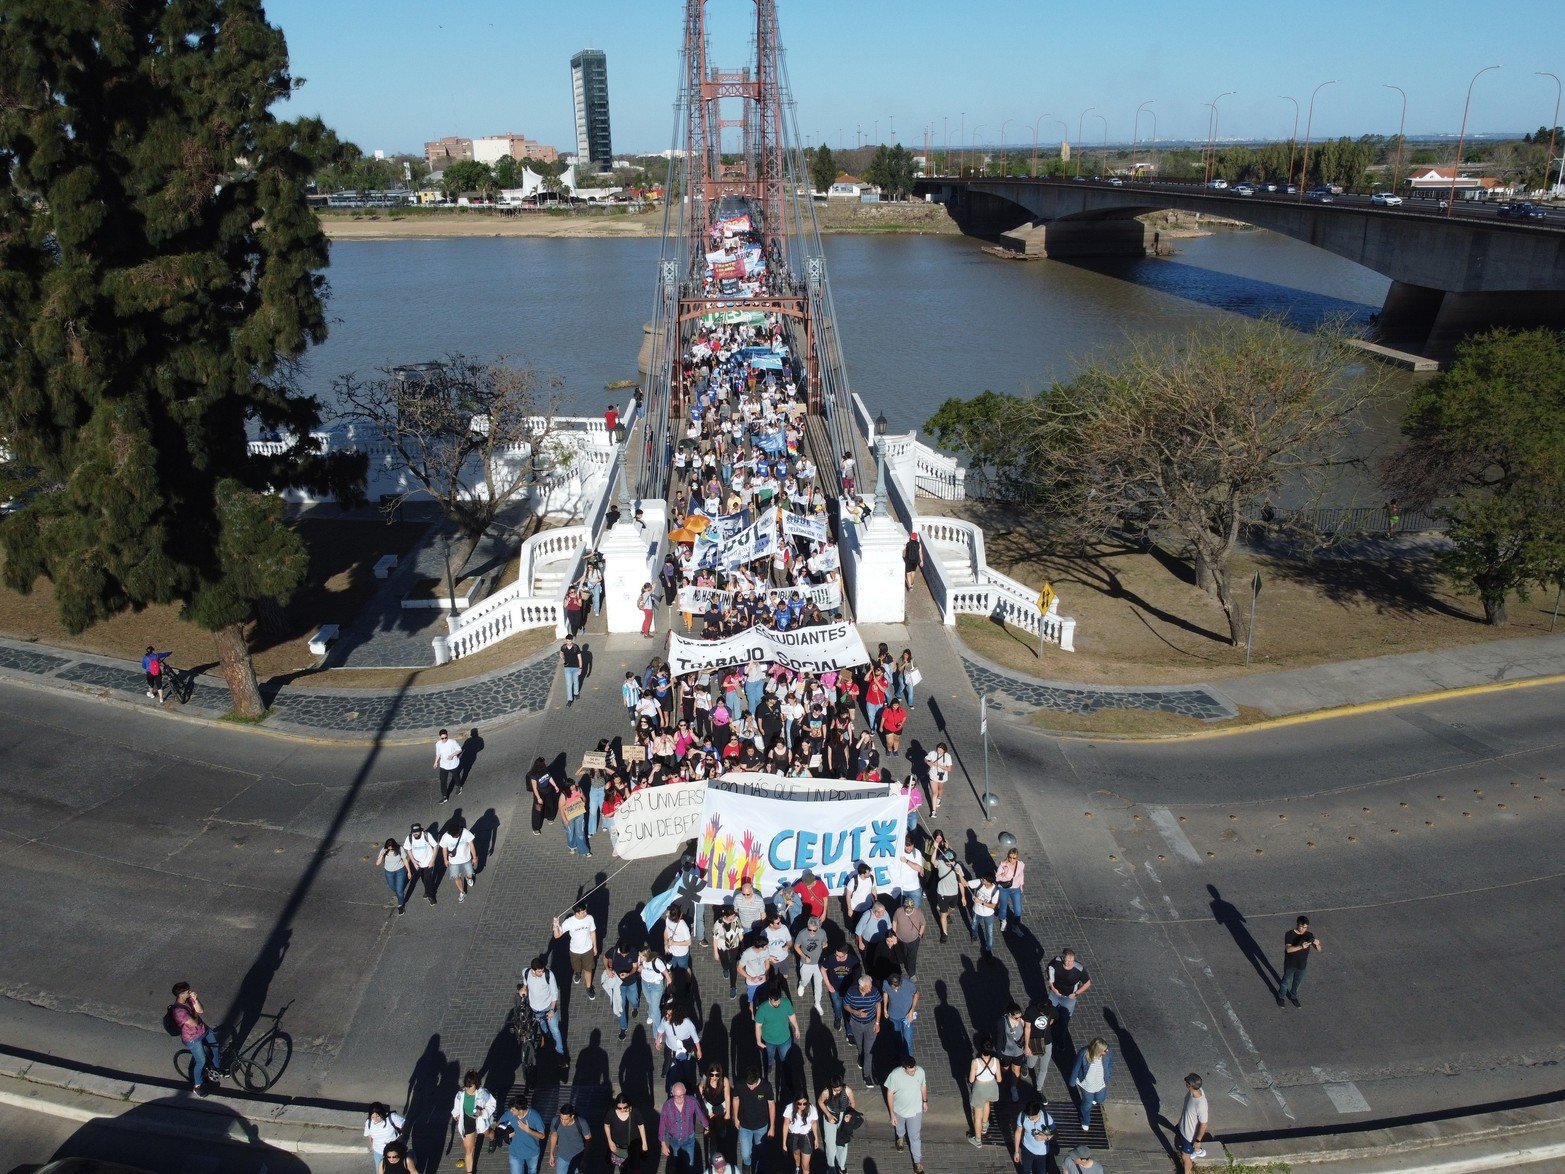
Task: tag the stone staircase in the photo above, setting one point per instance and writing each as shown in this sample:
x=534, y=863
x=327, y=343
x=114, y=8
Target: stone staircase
x=955, y=557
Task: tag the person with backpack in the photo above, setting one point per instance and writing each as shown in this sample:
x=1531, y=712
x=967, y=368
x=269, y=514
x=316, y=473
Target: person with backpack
x=152, y=665
x=422, y=850
x=188, y=1019
x=381, y=1128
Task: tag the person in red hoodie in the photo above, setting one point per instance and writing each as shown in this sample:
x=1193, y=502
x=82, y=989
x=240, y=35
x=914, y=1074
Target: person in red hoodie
x=812, y=894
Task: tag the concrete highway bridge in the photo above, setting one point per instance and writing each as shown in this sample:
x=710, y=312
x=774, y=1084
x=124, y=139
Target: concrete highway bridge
x=1451, y=276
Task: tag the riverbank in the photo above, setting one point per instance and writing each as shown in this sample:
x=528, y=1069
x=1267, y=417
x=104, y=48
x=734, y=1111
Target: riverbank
x=837, y=217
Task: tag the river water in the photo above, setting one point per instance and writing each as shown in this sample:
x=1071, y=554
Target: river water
x=923, y=318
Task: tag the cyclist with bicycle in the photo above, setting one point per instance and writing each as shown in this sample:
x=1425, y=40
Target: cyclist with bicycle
x=542, y=993
x=194, y=1033
x=152, y=665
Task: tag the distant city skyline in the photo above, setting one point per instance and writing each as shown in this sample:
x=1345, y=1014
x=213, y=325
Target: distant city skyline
x=417, y=71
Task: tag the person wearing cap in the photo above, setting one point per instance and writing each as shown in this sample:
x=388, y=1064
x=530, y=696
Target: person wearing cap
x=719, y=1164
x=422, y=850
x=909, y=926
x=907, y=1100
x=912, y=558
x=1030, y=1140
x=808, y=946
x=1080, y=1161
x=812, y=894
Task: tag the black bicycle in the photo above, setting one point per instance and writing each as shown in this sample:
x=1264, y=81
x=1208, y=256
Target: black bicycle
x=178, y=684
x=527, y=1031
x=257, y=1064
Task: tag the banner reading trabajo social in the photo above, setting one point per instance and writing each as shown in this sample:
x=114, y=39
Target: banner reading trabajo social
x=772, y=841
x=660, y=821
x=803, y=650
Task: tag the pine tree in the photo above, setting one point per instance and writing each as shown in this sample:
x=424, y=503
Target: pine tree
x=159, y=270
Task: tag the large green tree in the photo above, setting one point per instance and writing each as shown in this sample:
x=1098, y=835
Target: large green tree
x=158, y=273
x=892, y=171
x=823, y=168
x=1486, y=440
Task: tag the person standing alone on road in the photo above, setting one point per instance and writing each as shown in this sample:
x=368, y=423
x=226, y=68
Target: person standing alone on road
x=1192, y=1124
x=1296, y=946
x=448, y=761
x=570, y=658
x=201, y=1040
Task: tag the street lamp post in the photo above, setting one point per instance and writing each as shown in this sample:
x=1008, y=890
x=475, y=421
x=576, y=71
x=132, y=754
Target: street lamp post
x=1104, y=165
x=1135, y=135
x=961, y=137
x=977, y=153
x=1461, y=138
x=1211, y=139
x=880, y=467
x=1152, y=155
x=1033, y=170
x=1309, y=125
x=1553, y=124
x=1293, y=140
x=1396, y=168
x=1079, y=123
x=1005, y=166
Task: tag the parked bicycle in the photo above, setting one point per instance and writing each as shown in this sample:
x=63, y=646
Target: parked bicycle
x=256, y=1064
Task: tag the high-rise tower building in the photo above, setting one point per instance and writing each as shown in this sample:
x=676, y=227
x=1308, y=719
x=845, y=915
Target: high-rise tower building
x=590, y=90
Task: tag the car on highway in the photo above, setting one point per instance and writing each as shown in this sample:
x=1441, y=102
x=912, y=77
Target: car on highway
x=1522, y=210
x=1386, y=200
x=1271, y=187
x=1218, y=185
x=1116, y=181
x=1291, y=188
x=1244, y=189
x=1319, y=195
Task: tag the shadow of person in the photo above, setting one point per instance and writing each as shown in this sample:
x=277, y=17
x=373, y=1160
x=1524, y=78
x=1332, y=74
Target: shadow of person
x=472, y=747
x=716, y=1039
x=432, y=1085
x=586, y=661
x=486, y=834
x=1130, y=1055
x=955, y=1041
x=636, y=1067
x=177, y=1133
x=980, y=860
x=249, y=1001
x=1227, y=915
x=820, y=1047
x=498, y=1071
x=592, y=1064
x=597, y=899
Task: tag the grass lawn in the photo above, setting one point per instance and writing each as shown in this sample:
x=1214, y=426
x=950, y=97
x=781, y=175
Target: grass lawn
x=339, y=583
x=1141, y=619
x=1139, y=723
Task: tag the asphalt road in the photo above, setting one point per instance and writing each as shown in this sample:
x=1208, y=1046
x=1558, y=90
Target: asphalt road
x=142, y=851
x=1422, y=843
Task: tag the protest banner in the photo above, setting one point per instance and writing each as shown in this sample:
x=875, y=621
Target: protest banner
x=658, y=821
x=772, y=841
x=802, y=650
x=797, y=790
x=757, y=541
x=826, y=596
x=804, y=526
x=825, y=559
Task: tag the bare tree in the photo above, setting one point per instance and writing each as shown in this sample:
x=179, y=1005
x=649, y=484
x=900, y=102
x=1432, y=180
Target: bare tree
x=1187, y=435
x=475, y=435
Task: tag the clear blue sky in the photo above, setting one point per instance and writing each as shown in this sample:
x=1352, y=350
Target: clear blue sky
x=392, y=73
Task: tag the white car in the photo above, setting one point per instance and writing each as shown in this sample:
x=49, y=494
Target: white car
x=1386, y=200
x=1218, y=185
x=1244, y=189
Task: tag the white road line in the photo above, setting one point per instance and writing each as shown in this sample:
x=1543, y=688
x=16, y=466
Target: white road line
x=1343, y=1094
x=1174, y=835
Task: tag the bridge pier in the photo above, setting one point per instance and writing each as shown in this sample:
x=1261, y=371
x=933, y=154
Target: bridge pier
x=1433, y=322
x=1066, y=239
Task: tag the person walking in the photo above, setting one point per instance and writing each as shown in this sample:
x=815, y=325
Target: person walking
x=986, y=900
x=622, y=979
x=840, y=1117
x=627, y=1133
x=582, y=929
x=474, y=1114
x=776, y=1031
x=545, y=794
x=200, y=1040
x=1067, y=982
x=1011, y=1037
x=1081, y=1161
x=630, y=695
x=1297, y=944
x=646, y=601
x=1011, y=876
x=1194, y=1117
x=457, y=854
x=397, y=1160
x=393, y=864
x=653, y=972
x=152, y=666
x=912, y=558
x=809, y=945
x=754, y=1113
x=716, y=1093
x=592, y=577
x=570, y=660
x=907, y=1100
x=728, y=935
x=950, y=883
x=573, y=818
x=899, y=1007
x=542, y=992
x=678, y=937
x=909, y=926
x=679, y=1041
x=1030, y=1141
x=575, y=608
x=908, y=678
x=381, y=1128
x=939, y=763
x=1090, y=1078
x=525, y=1127
x=983, y=1089
x=862, y=1013
x=801, y=1133
x=680, y=1120
x=422, y=850
x=448, y=765
x=840, y=972
x=568, y=1138
x=1038, y=1041
x=755, y=967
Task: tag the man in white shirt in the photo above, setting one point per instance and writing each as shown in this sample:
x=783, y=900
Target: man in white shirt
x=583, y=929
x=422, y=850
x=1192, y=1123
x=448, y=761
x=755, y=967
x=542, y=993
x=457, y=852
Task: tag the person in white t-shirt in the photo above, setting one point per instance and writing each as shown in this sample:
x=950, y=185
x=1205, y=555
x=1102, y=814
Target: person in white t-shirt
x=448, y=761
x=583, y=931
x=679, y=1039
x=458, y=854
x=422, y=850
x=381, y=1128
x=801, y=1130
x=677, y=937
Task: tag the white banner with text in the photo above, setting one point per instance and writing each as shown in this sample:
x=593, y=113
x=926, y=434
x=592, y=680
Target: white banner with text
x=802, y=650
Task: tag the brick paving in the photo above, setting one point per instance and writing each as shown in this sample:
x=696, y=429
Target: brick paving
x=1012, y=694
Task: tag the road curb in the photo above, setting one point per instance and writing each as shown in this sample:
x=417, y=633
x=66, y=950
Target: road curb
x=1331, y=713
